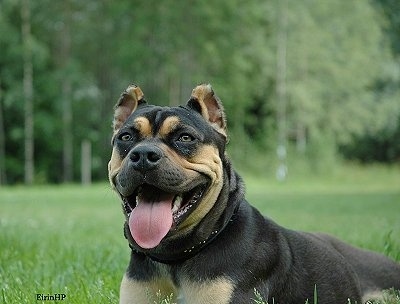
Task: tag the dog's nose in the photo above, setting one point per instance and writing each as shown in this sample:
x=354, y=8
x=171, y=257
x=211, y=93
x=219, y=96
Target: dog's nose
x=145, y=158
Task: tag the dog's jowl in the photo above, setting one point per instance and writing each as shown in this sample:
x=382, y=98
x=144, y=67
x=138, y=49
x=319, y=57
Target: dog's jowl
x=191, y=232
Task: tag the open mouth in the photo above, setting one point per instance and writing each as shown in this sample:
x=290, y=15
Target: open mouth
x=153, y=212
x=181, y=204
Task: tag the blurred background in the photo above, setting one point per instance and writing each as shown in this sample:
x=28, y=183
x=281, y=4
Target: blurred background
x=308, y=86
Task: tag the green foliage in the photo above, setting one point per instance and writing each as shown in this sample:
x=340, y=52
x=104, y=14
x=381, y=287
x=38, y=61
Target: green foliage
x=342, y=73
x=390, y=246
x=259, y=299
x=389, y=297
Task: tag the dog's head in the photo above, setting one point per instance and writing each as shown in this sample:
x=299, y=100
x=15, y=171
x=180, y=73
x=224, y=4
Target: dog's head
x=166, y=163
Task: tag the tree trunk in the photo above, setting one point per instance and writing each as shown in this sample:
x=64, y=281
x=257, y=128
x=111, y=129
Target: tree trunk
x=67, y=131
x=301, y=139
x=3, y=176
x=86, y=162
x=28, y=90
x=66, y=92
x=281, y=91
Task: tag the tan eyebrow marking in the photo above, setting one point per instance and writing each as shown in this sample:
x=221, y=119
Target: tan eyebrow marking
x=142, y=124
x=168, y=125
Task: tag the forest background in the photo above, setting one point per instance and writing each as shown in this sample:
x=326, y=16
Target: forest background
x=316, y=81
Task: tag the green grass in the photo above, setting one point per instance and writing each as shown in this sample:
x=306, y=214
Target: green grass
x=389, y=297
x=68, y=239
x=63, y=239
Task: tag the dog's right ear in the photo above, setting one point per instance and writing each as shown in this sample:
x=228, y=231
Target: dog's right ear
x=127, y=103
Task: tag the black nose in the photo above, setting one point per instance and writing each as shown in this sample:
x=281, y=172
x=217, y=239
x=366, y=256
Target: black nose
x=145, y=157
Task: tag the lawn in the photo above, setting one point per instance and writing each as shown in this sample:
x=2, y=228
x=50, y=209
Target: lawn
x=68, y=239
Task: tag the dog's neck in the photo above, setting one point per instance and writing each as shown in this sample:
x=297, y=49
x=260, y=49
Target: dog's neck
x=186, y=252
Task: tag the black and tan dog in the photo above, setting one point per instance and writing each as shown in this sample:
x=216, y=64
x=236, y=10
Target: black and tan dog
x=193, y=234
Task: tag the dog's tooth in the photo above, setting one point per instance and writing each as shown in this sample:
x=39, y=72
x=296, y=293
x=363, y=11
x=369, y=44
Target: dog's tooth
x=197, y=196
x=127, y=208
x=177, y=203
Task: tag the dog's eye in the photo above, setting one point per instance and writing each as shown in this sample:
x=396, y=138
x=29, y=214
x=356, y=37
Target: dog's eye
x=125, y=137
x=186, y=138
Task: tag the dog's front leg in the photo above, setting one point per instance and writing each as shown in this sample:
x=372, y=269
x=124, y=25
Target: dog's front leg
x=218, y=290
x=143, y=292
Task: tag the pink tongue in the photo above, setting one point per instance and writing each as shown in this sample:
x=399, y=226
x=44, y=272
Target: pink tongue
x=150, y=222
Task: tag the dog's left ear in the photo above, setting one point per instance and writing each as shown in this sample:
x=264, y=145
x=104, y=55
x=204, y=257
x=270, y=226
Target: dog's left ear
x=127, y=103
x=204, y=101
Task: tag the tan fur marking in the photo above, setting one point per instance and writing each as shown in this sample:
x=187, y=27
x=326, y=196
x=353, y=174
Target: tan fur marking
x=134, y=91
x=207, y=162
x=214, y=291
x=142, y=124
x=114, y=165
x=137, y=292
x=168, y=125
x=372, y=296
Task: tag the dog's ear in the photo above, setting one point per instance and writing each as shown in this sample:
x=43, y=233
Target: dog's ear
x=127, y=103
x=204, y=101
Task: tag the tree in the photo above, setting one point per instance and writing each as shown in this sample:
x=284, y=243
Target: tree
x=28, y=90
x=3, y=176
x=281, y=92
x=339, y=82
x=66, y=90
x=334, y=54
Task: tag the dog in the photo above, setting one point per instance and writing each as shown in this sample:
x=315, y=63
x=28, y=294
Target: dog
x=194, y=237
